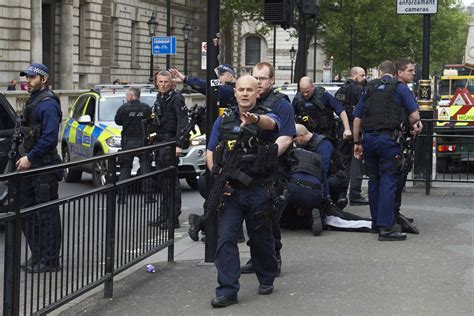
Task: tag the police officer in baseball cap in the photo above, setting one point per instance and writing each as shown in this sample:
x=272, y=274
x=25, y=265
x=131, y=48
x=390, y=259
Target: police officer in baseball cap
x=41, y=119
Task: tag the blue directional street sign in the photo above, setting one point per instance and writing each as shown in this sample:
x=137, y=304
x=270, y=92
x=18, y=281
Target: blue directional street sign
x=163, y=45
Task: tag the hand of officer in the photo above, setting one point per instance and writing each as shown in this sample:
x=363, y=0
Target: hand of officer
x=416, y=128
x=176, y=76
x=358, y=150
x=248, y=118
x=346, y=134
x=179, y=150
x=23, y=163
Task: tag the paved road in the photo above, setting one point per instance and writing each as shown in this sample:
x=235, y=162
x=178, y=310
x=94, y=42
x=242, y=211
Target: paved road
x=338, y=273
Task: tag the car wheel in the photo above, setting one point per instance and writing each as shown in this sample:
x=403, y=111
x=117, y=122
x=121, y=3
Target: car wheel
x=99, y=171
x=192, y=181
x=442, y=165
x=70, y=175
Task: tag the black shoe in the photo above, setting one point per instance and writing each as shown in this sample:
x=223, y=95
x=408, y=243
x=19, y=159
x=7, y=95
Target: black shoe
x=389, y=234
x=406, y=225
x=193, y=231
x=247, y=268
x=342, y=203
x=40, y=267
x=30, y=262
x=359, y=201
x=222, y=301
x=317, y=227
x=410, y=219
x=265, y=289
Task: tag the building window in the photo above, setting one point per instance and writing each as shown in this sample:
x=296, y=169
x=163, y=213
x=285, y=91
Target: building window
x=252, y=50
x=114, y=40
x=82, y=31
x=134, y=38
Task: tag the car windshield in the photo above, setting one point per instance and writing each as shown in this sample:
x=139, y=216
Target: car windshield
x=110, y=104
x=449, y=87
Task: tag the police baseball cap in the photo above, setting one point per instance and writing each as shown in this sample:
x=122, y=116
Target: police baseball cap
x=35, y=69
x=225, y=67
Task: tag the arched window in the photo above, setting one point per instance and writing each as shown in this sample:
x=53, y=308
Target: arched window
x=252, y=50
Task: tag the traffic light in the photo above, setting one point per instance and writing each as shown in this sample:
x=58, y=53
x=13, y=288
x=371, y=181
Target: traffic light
x=310, y=7
x=279, y=12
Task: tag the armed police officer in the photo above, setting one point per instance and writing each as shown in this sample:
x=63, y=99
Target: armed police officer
x=133, y=116
x=41, y=118
x=349, y=95
x=170, y=116
x=382, y=108
x=280, y=105
x=314, y=108
x=249, y=132
x=405, y=74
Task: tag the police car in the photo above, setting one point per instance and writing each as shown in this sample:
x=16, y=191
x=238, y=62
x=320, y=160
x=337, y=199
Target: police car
x=90, y=131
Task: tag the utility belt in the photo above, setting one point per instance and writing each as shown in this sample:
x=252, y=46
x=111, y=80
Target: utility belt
x=50, y=157
x=392, y=133
x=306, y=184
x=236, y=184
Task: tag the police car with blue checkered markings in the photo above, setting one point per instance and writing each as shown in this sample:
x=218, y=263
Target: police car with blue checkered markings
x=90, y=131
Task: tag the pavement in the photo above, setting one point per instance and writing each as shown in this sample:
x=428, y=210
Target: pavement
x=337, y=273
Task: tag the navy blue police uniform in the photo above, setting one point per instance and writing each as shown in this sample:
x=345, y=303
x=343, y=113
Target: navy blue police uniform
x=169, y=117
x=42, y=116
x=382, y=108
x=317, y=113
x=250, y=201
x=133, y=116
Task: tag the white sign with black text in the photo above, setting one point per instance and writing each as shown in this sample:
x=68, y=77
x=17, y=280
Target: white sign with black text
x=417, y=6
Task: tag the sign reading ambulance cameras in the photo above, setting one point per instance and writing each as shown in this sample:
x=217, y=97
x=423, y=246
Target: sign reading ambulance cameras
x=417, y=6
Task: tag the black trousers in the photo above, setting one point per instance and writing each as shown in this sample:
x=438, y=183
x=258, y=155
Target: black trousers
x=126, y=161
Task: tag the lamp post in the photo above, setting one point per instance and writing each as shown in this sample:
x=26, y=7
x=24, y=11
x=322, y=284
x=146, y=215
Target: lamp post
x=187, y=29
x=292, y=58
x=152, y=25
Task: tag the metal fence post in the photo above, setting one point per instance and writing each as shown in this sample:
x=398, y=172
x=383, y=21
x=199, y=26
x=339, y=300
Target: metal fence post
x=426, y=114
x=11, y=282
x=171, y=207
x=110, y=228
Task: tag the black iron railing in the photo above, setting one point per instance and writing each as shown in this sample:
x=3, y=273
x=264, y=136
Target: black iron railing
x=97, y=237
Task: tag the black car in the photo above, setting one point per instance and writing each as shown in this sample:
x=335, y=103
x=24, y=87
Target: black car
x=8, y=118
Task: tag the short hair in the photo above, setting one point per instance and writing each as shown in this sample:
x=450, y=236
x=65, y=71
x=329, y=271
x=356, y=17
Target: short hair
x=402, y=63
x=262, y=64
x=356, y=70
x=164, y=73
x=387, y=67
x=301, y=129
x=307, y=80
x=135, y=91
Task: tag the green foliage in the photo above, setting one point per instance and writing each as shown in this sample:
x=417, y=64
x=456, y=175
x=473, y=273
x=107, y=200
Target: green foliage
x=378, y=33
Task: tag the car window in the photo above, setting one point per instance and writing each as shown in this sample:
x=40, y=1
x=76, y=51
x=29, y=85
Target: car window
x=90, y=110
x=109, y=105
x=79, y=106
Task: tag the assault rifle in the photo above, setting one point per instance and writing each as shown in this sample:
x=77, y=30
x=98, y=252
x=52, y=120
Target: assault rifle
x=10, y=166
x=229, y=170
x=195, y=115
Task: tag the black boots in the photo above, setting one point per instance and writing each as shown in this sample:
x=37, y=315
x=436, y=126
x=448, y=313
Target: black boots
x=390, y=234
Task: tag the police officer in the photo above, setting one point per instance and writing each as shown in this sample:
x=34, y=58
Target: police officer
x=133, y=116
x=314, y=108
x=170, y=117
x=380, y=111
x=41, y=117
x=280, y=105
x=405, y=74
x=250, y=201
x=308, y=184
x=349, y=95
x=226, y=76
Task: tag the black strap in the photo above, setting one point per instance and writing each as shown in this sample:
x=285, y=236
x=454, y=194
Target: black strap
x=306, y=184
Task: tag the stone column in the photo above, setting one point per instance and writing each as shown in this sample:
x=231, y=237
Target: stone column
x=36, y=32
x=66, y=46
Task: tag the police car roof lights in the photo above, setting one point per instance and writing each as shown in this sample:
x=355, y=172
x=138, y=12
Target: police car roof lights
x=121, y=87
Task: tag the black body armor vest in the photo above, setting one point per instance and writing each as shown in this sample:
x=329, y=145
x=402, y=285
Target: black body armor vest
x=313, y=114
x=165, y=119
x=134, y=117
x=309, y=162
x=272, y=98
x=349, y=95
x=381, y=113
x=32, y=121
x=258, y=158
